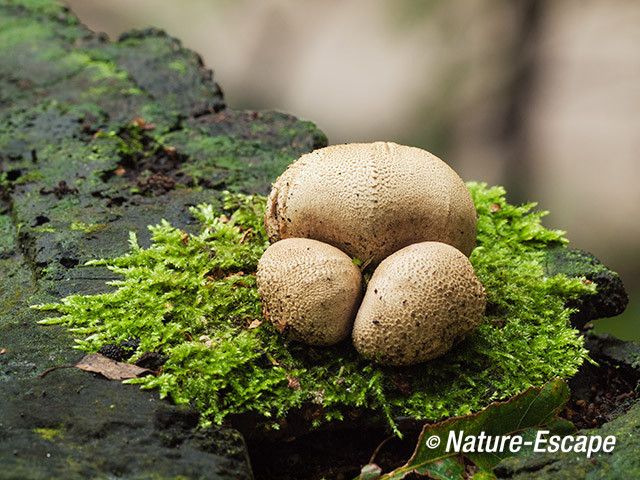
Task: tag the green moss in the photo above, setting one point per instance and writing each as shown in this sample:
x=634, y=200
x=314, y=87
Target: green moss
x=31, y=176
x=101, y=70
x=44, y=124
x=50, y=434
x=194, y=299
x=259, y=128
x=237, y=163
x=46, y=7
x=131, y=142
x=15, y=32
x=573, y=261
x=7, y=234
x=37, y=50
x=44, y=229
x=132, y=92
x=179, y=66
x=88, y=228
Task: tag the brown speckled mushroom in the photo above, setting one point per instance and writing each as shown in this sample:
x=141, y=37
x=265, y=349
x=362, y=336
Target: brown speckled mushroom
x=310, y=290
x=372, y=199
x=420, y=301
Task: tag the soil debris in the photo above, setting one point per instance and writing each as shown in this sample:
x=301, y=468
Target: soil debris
x=60, y=191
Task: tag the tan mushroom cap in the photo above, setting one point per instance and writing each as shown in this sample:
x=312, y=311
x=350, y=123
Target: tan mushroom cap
x=419, y=302
x=372, y=199
x=310, y=290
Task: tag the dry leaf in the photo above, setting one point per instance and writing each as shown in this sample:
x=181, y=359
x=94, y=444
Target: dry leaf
x=294, y=383
x=96, y=363
x=140, y=122
x=280, y=324
x=255, y=324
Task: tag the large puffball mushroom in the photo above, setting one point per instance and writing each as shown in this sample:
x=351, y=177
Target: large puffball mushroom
x=420, y=301
x=310, y=290
x=372, y=199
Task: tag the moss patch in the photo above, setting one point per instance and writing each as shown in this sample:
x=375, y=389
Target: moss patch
x=193, y=298
x=227, y=161
x=50, y=434
x=7, y=232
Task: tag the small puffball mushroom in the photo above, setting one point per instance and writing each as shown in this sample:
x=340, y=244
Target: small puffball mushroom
x=372, y=199
x=419, y=302
x=310, y=290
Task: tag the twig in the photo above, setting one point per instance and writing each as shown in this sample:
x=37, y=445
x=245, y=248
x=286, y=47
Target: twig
x=55, y=368
x=377, y=450
x=245, y=235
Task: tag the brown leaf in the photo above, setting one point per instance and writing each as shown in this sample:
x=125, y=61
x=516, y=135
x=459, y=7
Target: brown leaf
x=140, y=122
x=216, y=274
x=294, y=383
x=255, y=324
x=96, y=363
x=280, y=324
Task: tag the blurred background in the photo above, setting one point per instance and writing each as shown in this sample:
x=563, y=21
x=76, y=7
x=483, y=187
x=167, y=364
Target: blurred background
x=542, y=97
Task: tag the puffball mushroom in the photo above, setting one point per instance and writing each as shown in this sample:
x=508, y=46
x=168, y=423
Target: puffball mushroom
x=372, y=199
x=310, y=290
x=420, y=301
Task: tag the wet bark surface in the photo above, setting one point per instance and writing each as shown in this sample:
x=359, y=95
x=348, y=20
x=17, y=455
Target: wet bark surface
x=95, y=139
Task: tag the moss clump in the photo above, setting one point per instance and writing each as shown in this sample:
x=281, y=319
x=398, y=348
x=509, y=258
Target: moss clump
x=193, y=298
x=50, y=434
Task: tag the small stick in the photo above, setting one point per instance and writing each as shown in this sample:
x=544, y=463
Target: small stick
x=55, y=368
x=377, y=450
x=244, y=235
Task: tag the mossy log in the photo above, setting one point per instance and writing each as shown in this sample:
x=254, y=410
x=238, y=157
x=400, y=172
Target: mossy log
x=98, y=138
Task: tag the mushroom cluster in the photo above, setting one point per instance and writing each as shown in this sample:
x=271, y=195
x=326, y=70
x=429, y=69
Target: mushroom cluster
x=401, y=211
